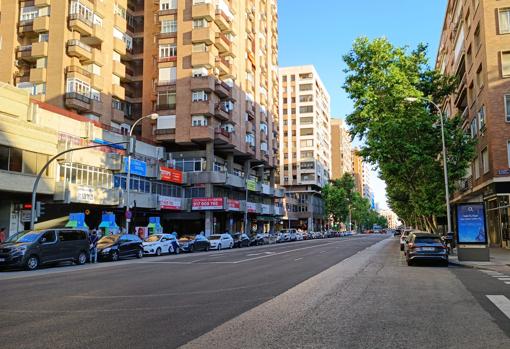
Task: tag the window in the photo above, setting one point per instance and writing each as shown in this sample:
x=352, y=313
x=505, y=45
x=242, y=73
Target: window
x=307, y=154
x=306, y=109
x=307, y=165
x=306, y=98
x=166, y=99
x=199, y=48
x=49, y=237
x=505, y=64
x=479, y=78
x=305, y=87
x=190, y=165
x=169, y=26
x=306, y=121
x=504, y=21
x=199, y=72
x=200, y=23
x=508, y=152
x=198, y=96
x=485, y=160
x=507, y=108
x=481, y=118
x=116, y=104
x=474, y=128
x=28, y=13
x=15, y=160
x=43, y=37
x=85, y=175
x=477, y=40
x=167, y=75
x=168, y=5
x=198, y=120
x=167, y=50
x=307, y=143
x=306, y=76
x=476, y=165
x=78, y=86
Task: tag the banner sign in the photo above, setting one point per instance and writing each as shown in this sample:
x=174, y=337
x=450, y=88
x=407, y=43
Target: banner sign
x=204, y=204
x=234, y=205
x=85, y=194
x=251, y=207
x=169, y=203
x=251, y=185
x=266, y=209
x=138, y=167
x=170, y=175
x=471, y=224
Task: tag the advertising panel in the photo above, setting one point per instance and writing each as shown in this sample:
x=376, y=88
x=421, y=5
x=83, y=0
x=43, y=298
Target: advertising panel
x=234, y=205
x=251, y=185
x=138, y=167
x=471, y=224
x=204, y=204
x=169, y=203
x=85, y=194
x=170, y=175
x=251, y=207
x=266, y=209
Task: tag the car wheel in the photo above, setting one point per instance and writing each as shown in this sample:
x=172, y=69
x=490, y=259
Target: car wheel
x=177, y=250
x=158, y=252
x=190, y=249
x=140, y=253
x=207, y=248
x=115, y=256
x=32, y=263
x=82, y=258
x=409, y=262
x=231, y=245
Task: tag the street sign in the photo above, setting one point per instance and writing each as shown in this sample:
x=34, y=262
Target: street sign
x=25, y=216
x=128, y=214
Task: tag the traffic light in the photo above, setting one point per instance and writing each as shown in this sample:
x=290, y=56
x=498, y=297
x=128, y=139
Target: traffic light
x=40, y=210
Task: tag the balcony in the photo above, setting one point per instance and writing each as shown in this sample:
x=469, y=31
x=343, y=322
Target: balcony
x=223, y=43
x=120, y=23
x=204, y=83
x=81, y=24
x=223, y=135
x=77, y=101
x=97, y=82
x=250, y=108
x=119, y=69
x=119, y=46
x=25, y=27
x=42, y=3
x=25, y=53
x=205, y=10
x=96, y=57
x=40, y=49
x=279, y=192
x=222, y=89
x=76, y=48
x=75, y=72
x=118, y=91
x=222, y=20
x=202, y=59
x=224, y=66
x=96, y=38
x=96, y=107
x=205, y=35
x=41, y=24
x=201, y=133
x=118, y=115
x=222, y=113
x=74, y=193
x=38, y=75
x=167, y=134
x=249, y=127
x=202, y=108
x=160, y=107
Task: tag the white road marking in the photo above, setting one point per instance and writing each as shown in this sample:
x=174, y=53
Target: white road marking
x=498, y=275
x=506, y=278
x=322, y=252
x=502, y=303
x=507, y=282
x=298, y=259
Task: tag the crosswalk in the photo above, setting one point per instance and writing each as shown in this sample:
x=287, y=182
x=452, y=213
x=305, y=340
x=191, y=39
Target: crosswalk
x=500, y=301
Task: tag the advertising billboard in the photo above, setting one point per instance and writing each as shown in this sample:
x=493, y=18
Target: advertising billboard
x=251, y=185
x=169, y=203
x=137, y=167
x=234, y=205
x=204, y=204
x=471, y=225
x=170, y=175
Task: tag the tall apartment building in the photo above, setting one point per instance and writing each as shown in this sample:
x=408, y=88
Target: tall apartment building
x=341, y=150
x=474, y=47
x=305, y=144
x=357, y=170
x=207, y=67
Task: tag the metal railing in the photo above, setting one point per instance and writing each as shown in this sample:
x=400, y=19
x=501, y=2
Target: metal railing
x=76, y=42
x=81, y=18
x=76, y=69
x=78, y=96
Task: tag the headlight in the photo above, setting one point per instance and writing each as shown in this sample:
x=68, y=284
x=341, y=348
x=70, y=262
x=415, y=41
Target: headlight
x=20, y=249
x=106, y=250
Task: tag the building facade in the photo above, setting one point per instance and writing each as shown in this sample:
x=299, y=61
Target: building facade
x=474, y=48
x=357, y=170
x=341, y=150
x=305, y=145
x=391, y=217
x=207, y=67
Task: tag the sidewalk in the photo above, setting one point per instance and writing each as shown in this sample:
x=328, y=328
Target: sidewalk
x=499, y=260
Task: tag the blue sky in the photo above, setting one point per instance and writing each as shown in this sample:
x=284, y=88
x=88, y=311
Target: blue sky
x=319, y=32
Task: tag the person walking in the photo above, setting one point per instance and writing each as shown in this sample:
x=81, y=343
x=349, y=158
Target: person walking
x=2, y=235
x=93, y=239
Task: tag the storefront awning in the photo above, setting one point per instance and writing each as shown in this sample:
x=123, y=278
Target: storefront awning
x=109, y=225
x=76, y=224
x=154, y=226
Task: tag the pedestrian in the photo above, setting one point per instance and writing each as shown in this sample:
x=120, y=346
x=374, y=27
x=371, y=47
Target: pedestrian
x=2, y=235
x=93, y=246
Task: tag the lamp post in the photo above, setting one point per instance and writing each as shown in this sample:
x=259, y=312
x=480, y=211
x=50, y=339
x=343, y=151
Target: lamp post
x=246, y=197
x=39, y=175
x=152, y=116
x=445, y=165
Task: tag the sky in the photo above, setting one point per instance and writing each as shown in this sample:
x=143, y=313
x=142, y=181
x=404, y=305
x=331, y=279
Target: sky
x=320, y=32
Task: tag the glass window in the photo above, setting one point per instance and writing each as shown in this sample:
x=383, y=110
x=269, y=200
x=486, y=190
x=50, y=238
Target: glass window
x=507, y=108
x=485, y=160
x=15, y=160
x=504, y=21
x=29, y=162
x=4, y=158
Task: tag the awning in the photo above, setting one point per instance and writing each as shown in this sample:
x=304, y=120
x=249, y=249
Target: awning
x=109, y=225
x=75, y=224
x=154, y=226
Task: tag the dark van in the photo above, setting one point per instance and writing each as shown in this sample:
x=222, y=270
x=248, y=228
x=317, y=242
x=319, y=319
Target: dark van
x=32, y=248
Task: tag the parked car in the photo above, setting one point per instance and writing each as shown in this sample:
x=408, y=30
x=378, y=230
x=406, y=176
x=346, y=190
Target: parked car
x=32, y=248
x=425, y=246
x=397, y=232
x=259, y=239
x=117, y=246
x=280, y=237
x=403, y=238
x=157, y=244
x=289, y=234
x=196, y=243
x=221, y=241
x=241, y=240
x=299, y=236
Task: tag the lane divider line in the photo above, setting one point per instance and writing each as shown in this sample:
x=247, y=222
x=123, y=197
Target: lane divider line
x=501, y=302
x=298, y=259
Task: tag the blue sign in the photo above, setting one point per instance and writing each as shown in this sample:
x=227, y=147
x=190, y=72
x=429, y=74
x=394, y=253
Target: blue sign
x=116, y=146
x=155, y=220
x=471, y=225
x=138, y=167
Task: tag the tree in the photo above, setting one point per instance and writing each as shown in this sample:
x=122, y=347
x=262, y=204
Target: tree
x=402, y=138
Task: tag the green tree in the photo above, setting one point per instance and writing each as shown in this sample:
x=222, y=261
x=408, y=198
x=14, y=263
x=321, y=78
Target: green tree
x=402, y=138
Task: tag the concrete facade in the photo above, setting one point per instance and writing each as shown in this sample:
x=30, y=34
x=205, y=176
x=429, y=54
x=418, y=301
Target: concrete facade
x=341, y=150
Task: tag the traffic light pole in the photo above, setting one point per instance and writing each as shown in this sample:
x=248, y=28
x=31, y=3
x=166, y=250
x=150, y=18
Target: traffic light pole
x=45, y=167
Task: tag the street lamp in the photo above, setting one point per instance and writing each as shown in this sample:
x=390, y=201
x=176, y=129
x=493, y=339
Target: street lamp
x=43, y=169
x=152, y=116
x=445, y=165
x=246, y=196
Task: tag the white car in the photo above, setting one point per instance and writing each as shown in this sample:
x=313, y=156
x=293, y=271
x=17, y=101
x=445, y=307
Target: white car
x=299, y=236
x=289, y=234
x=157, y=244
x=221, y=241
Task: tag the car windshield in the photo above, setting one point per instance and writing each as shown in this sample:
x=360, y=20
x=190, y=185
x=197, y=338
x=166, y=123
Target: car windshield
x=24, y=236
x=427, y=240
x=214, y=237
x=153, y=238
x=109, y=239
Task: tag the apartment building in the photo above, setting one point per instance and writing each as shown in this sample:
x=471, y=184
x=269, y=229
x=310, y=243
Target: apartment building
x=212, y=63
x=357, y=170
x=341, y=150
x=474, y=47
x=305, y=145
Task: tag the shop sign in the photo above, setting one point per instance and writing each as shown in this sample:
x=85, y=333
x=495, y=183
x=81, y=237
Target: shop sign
x=251, y=207
x=204, y=204
x=138, y=167
x=471, y=224
x=505, y=172
x=85, y=194
x=169, y=203
x=251, y=185
x=26, y=216
x=266, y=209
x=234, y=205
x=170, y=175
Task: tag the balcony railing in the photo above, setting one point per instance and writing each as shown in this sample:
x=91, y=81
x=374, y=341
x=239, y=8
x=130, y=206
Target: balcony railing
x=81, y=18
x=166, y=82
x=164, y=131
x=75, y=69
x=76, y=42
x=78, y=96
x=163, y=106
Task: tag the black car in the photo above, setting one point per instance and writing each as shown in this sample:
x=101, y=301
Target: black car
x=241, y=240
x=258, y=239
x=197, y=243
x=425, y=246
x=32, y=248
x=114, y=247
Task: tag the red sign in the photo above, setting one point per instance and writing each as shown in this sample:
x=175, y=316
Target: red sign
x=170, y=175
x=201, y=204
x=234, y=205
x=169, y=203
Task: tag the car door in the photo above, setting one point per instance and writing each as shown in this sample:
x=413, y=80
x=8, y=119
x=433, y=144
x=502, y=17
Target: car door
x=225, y=241
x=165, y=244
x=134, y=245
x=124, y=246
x=49, y=247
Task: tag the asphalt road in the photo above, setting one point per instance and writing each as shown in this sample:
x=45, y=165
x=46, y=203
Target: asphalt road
x=352, y=292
